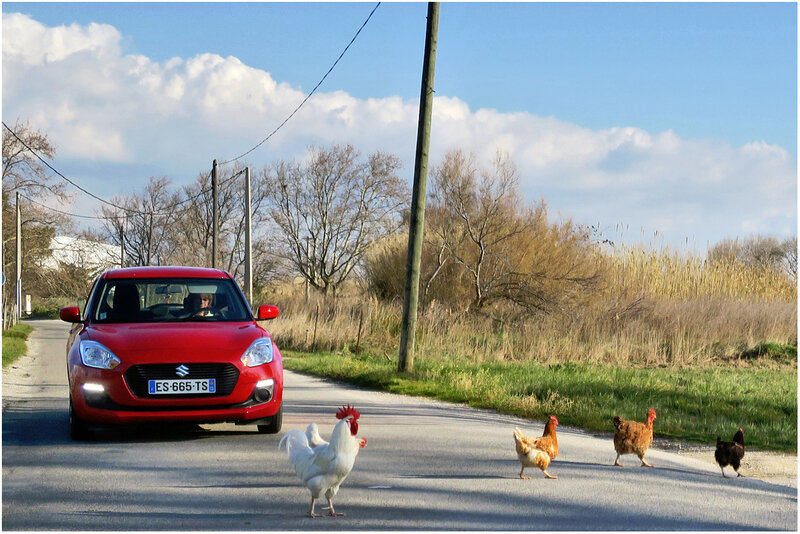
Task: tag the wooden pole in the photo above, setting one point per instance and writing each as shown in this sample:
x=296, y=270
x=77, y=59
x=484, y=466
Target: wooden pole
x=308, y=267
x=417, y=221
x=316, y=320
x=248, y=239
x=215, y=216
x=18, y=269
x=122, y=243
x=360, y=326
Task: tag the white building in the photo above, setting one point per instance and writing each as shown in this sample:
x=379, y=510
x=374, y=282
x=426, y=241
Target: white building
x=89, y=255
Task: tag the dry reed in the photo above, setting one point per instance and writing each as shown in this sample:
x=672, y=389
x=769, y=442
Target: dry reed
x=656, y=308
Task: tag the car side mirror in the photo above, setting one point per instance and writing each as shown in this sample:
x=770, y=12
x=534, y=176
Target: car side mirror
x=70, y=314
x=267, y=312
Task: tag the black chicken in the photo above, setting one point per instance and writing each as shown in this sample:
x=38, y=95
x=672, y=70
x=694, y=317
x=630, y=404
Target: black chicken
x=730, y=452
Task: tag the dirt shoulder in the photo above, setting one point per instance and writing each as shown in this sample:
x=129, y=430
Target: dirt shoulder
x=773, y=467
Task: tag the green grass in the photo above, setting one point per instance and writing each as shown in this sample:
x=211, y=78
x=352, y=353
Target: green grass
x=695, y=405
x=774, y=351
x=14, y=342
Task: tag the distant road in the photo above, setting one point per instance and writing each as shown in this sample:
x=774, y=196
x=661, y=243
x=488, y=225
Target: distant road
x=427, y=466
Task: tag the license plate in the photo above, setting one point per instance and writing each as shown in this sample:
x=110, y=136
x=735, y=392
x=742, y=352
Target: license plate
x=182, y=387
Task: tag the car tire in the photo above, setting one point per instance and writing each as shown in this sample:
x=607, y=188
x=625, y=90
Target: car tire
x=78, y=429
x=274, y=425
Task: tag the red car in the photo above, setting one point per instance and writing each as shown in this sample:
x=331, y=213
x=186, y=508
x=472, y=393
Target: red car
x=171, y=344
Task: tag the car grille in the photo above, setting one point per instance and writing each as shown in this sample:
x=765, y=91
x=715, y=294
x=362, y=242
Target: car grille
x=137, y=376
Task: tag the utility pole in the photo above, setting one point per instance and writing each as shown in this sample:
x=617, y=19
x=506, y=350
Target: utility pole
x=18, y=273
x=122, y=243
x=417, y=223
x=215, y=218
x=248, y=239
x=308, y=262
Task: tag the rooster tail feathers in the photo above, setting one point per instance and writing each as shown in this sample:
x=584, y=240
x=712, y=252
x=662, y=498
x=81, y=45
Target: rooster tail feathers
x=301, y=457
x=293, y=439
x=280, y=443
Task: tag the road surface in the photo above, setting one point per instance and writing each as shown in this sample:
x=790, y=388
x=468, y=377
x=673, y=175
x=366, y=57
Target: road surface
x=427, y=466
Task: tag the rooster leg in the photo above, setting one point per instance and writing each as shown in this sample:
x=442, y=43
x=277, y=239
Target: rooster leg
x=548, y=475
x=723, y=472
x=616, y=462
x=332, y=513
x=645, y=463
x=311, y=511
x=521, y=475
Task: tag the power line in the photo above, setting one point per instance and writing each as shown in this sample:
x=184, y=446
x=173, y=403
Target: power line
x=129, y=210
x=61, y=175
x=309, y=94
x=162, y=211
x=203, y=191
x=29, y=199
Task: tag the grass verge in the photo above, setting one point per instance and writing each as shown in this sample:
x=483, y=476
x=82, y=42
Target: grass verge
x=14, y=342
x=695, y=405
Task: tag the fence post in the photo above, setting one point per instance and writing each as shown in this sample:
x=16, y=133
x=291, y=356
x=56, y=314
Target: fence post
x=316, y=320
x=360, y=326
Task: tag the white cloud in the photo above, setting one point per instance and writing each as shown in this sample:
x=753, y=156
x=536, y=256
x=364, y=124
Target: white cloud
x=100, y=105
x=30, y=42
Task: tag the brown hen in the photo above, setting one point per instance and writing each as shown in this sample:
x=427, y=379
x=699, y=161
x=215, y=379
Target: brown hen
x=537, y=452
x=633, y=437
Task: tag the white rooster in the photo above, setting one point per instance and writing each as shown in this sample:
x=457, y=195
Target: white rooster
x=323, y=467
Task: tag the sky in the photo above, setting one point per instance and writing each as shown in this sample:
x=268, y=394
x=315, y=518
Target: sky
x=670, y=124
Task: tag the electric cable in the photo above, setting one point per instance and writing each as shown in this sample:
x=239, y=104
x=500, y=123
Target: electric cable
x=58, y=173
x=202, y=191
x=292, y=114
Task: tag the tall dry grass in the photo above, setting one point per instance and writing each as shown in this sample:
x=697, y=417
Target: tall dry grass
x=655, y=308
x=670, y=275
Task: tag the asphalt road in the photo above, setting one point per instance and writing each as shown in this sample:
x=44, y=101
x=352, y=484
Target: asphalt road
x=427, y=466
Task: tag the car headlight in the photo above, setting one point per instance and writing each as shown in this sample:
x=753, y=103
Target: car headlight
x=94, y=354
x=259, y=353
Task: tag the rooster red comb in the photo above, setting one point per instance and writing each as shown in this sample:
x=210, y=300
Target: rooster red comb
x=344, y=411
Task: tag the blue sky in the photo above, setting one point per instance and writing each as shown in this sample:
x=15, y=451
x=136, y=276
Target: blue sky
x=612, y=86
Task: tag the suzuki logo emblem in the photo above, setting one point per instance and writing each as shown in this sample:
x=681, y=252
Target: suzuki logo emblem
x=182, y=371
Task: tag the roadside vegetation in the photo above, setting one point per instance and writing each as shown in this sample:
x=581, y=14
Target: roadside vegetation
x=15, y=342
x=701, y=366
x=532, y=317
x=694, y=405
x=519, y=311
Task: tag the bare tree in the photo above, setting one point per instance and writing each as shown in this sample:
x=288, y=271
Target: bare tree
x=193, y=228
x=192, y=235
x=508, y=249
x=146, y=223
x=24, y=173
x=478, y=212
x=759, y=250
x=22, y=170
x=332, y=208
x=789, y=247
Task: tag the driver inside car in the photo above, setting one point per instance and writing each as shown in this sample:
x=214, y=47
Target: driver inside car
x=200, y=305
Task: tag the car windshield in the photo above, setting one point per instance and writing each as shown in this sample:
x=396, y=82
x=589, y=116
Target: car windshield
x=151, y=300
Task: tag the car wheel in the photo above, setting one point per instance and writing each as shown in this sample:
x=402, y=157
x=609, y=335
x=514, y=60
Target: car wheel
x=274, y=425
x=78, y=429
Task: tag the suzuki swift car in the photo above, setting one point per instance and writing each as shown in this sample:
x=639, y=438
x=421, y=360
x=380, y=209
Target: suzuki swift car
x=171, y=344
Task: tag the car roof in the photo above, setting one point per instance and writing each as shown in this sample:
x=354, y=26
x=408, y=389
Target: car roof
x=166, y=272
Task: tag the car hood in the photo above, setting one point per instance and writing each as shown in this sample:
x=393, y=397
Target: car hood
x=176, y=338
